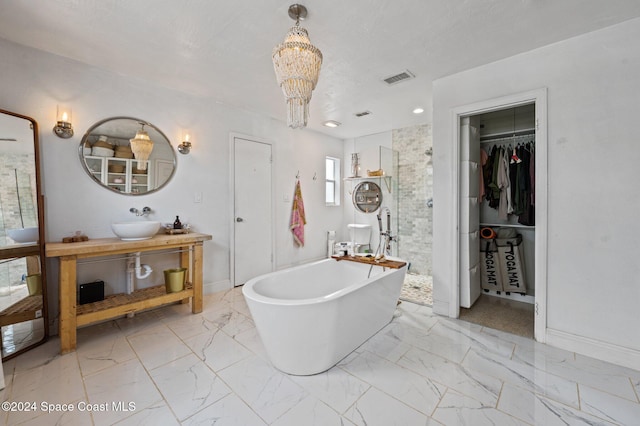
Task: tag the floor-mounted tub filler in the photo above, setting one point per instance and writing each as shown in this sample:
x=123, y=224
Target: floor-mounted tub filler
x=311, y=316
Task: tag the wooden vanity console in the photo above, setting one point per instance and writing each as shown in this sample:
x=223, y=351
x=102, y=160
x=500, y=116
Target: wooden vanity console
x=72, y=316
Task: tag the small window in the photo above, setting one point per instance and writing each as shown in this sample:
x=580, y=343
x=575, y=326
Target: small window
x=332, y=185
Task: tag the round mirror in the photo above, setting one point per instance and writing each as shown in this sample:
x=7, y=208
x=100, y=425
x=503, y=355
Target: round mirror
x=367, y=197
x=107, y=155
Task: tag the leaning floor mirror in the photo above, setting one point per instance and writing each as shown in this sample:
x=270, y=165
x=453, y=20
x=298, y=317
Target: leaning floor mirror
x=23, y=289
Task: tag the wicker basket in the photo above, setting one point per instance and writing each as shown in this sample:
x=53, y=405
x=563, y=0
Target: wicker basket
x=102, y=144
x=123, y=154
x=116, y=168
x=137, y=171
x=372, y=173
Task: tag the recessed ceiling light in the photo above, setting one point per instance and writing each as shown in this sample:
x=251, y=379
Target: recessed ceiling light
x=418, y=110
x=331, y=123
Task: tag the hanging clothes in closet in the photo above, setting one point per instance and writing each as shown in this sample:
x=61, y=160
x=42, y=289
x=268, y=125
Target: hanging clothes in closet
x=508, y=180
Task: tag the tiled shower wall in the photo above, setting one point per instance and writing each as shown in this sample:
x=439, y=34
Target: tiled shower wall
x=415, y=183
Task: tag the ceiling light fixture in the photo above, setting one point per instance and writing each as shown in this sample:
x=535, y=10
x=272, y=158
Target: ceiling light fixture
x=141, y=145
x=331, y=123
x=297, y=65
x=418, y=110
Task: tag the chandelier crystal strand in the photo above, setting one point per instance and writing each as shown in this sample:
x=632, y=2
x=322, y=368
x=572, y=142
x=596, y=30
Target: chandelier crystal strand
x=297, y=65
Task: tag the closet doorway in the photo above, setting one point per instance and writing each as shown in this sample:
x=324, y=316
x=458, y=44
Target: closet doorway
x=502, y=225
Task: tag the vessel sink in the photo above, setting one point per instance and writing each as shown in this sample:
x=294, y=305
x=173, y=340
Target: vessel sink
x=131, y=231
x=23, y=235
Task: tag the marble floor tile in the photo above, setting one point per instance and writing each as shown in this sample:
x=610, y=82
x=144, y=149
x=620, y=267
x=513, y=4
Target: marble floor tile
x=56, y=382
x=187, y=326
x=448, y=331
x=416, y=391
x=266, y=390
x=217, y=349
x=50, y=417
x=376, y=408
x=529, y=377
x=393, y=341
x=122, y=384
x=229, y=411
x=250, y=339
x=480, y=386
x=155, y=414
x=311, y=412
x=188, y=385
x=178, y=368
x=609, y=407
x=157, y=346
x=336, y=387
x=139, y=322
x=103, y=350
x=458, y=409
x=421, y=317
x=538, y=410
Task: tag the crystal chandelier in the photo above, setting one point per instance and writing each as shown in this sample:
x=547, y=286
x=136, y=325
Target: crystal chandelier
x=141, y=145
x=297, y=65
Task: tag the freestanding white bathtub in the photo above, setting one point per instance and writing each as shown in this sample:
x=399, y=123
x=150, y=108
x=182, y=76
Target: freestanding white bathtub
x=311, y=316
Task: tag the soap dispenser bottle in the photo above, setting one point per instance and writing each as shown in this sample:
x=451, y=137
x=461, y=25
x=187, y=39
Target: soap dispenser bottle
x=177, y=224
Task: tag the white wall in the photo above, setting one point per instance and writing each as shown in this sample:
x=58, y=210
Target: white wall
x=593, y=278
x=33, y=83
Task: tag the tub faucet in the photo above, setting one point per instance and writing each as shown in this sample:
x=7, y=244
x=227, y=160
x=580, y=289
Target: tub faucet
x=388, y=237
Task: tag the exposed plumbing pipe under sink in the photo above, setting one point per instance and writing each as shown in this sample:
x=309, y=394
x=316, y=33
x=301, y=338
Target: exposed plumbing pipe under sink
x=135, y=270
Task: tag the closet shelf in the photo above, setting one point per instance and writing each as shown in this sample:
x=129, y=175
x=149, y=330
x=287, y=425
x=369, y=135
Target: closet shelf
x=491, y=136
x=508, y=225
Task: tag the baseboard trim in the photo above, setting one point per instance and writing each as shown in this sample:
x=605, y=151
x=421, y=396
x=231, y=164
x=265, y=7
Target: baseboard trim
x=208, y=288
x=615, y=354
x=441, y=308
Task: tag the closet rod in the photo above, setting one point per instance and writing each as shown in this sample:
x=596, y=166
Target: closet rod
x=525, y=132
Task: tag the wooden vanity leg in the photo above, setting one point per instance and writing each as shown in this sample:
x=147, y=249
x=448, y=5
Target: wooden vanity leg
x=196, y=274
x=184, y=263
x=67, y=294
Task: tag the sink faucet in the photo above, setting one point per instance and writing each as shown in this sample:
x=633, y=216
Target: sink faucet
x=145, y=211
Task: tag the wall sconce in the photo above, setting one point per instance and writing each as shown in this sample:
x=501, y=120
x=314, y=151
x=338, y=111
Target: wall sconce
x=63, y=128
x=185, y=146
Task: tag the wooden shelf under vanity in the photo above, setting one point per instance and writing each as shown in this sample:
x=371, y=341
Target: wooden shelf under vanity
x=27, y=309
x=73, y=316
x=120, y=304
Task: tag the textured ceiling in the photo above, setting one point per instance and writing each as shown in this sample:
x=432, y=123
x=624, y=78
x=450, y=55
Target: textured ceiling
x=222, y=49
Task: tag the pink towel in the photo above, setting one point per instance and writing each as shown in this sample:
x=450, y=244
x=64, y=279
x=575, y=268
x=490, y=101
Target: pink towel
x=298, y=219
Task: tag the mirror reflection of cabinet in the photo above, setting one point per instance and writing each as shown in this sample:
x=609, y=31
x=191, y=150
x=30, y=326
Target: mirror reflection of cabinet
x=367, y=197
x=106, y=156
x=23, y=310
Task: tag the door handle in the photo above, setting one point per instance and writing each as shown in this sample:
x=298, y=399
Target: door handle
x=239, y=219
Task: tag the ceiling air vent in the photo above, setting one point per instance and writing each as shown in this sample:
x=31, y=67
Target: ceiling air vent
x=362, y=114
x=405, y=75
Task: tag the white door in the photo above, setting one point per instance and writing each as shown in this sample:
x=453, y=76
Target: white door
x=252, y=216
x=470, y=288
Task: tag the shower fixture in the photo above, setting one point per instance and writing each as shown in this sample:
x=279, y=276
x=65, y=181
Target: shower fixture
x=388, y=236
